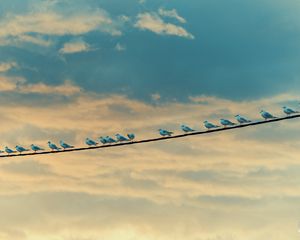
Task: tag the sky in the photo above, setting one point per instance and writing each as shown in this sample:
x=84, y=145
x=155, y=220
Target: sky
x=71, y=69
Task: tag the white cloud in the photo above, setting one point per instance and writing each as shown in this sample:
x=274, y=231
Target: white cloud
x=18, y=27
x=172, y=14
x=75, y=47
x=120, y=47
x=154, y=23
x=6, y=66
x=20, y=85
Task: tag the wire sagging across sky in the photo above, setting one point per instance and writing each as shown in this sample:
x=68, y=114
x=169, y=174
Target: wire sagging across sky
x=167, y=137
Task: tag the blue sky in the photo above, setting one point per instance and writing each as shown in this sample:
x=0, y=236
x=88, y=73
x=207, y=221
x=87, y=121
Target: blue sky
x=71, y=69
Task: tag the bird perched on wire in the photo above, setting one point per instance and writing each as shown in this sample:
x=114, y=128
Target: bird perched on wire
x=209, y=125
x=35, y=148
x=131, y=136
x=8, y=150
x=110, y=139
x=165, y=133
x=266, y=115
x=121, y=138
x=288, y=111
x=226, y=122
x=103, y=140
x=242, y=119
x=186, y=129
x=90, y=142
x=52, y=146
x=20, y=149
x=65, y=145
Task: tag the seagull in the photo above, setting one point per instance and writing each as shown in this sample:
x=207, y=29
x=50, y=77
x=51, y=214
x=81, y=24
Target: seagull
x=266, y=115
x=53, y=146
x=35, y=148
x=164, y=132
x=103, y=140
x=242, y=119
x=8, y=150
x=209, y=125
x=130, y=136
x=20, y=149
x=90, y=142
x=186, y=129
x=226, y=122
x=289, y=111
x=65, y=145
x=121, y=138
x=110, y=140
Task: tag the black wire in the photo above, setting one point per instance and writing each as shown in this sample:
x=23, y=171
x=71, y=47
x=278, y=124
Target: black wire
x=156, y=139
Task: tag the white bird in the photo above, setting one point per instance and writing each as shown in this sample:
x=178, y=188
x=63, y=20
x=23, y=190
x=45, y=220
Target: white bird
x=8, y=150
x=209, y=125
x=164, y=132
x=288, y=111
x=226, y=122
x=266, y=115
x=187, y=129
x=52, y=146
x=65, y=145
x=20, y=149
x=242, y=119
x=36, y=148
x=90, y=142
x=121, y=138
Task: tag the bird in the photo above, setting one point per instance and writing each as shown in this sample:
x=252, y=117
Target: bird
x=53, y=146
x=266, y=115
x=35, y=148
x=110, y=140
x=209, y=125
x=8, y=150
x=164, y=132
x=103, y=140
x=186, y=129
x=288, y=111
x=121, y=138
x=65, y=145
x=131, y=136
x=90, y=142
x=226, y=122
x=20, y=149
x=242, y=119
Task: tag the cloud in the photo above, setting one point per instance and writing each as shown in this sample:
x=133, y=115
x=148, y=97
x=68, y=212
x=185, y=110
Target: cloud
x=119, y=47
x=75, y=47
x=19, y=27
x=171, y=14
x=6, y=66
x=153, y=22
x=20, y=85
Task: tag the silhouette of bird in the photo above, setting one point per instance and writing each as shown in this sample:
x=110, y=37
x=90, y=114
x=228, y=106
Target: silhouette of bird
x=121, y=138
x=52, y=146
x=242, y=119
x=35, y=148
x=164, y=132
x=209, y=125
x=8, y=150
x=20, y=149
x=226, y=122
x=131, y=136
x=65, y=145
x=266, y=115
x=187, y=129
x=103, y=140
x=90, y=142
x=288, y=111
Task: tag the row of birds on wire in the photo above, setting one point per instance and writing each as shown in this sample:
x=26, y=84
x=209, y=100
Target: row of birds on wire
x=130, y=137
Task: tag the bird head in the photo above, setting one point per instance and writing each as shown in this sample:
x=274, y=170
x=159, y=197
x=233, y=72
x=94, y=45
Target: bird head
x=205, y=121
x=49, y=142
x=237, y=115
x=284, y=107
